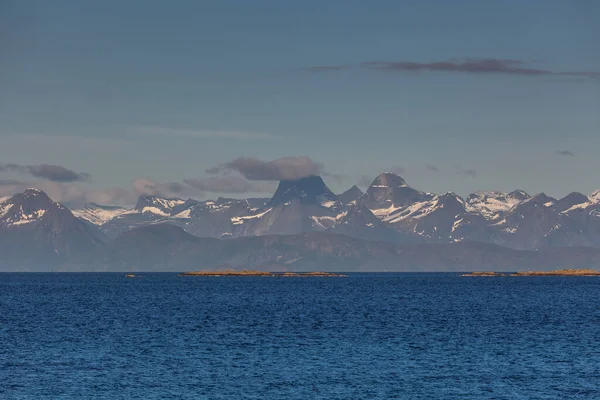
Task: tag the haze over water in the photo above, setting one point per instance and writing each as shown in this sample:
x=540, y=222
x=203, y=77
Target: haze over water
x=371, y=336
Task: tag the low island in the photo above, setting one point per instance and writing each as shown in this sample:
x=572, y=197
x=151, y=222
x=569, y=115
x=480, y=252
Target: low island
x=259, y=273
x=483, y=274
x=559, y=272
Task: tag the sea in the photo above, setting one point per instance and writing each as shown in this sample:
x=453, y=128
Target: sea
x=364, y=336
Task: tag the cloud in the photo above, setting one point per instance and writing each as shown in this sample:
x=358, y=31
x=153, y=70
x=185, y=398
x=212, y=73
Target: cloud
x=148, y=187
x=286, y=168
x=565, y=153
x=55, y=173
x=156, y=131
x=471, y=65
x=71, y=194
x=433, y=168
x=467, y=65
x=228, y=184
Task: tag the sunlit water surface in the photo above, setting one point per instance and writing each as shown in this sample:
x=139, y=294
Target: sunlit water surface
x=376, y=336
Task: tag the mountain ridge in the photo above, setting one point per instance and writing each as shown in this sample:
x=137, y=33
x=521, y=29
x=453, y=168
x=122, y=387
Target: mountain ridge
x=389, y=211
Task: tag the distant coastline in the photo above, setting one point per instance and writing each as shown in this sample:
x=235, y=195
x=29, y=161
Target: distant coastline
x=559, y=272
x=260, y=273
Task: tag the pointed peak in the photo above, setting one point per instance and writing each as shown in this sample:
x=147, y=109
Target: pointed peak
x=595, y=196
x=32, y=193
x=350, y=195
x=540, y=198
x=308, y=190
x=451, y=197
x=519, y=194
x=389, y=179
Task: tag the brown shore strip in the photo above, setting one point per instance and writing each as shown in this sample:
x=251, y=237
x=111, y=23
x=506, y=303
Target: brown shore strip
x=259, y=273
x=559, y=272
x=484, y=274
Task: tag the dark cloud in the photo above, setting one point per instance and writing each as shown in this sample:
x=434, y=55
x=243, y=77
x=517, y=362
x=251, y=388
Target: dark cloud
x=54, y=173
x=433, y=168
x=228, y=184
x=486, y=65
x=71, y=194
x=565, y=153
x=286, y=168
x=468, y=65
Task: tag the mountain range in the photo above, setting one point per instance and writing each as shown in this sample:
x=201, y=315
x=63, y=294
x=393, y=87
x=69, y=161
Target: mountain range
x=305, y=226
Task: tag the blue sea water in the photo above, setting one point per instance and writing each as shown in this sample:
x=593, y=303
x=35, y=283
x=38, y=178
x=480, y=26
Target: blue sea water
x=371, y=336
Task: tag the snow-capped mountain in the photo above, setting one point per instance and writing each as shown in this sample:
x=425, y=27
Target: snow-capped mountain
x=390, y=192
x=98, y=214
x=34, y=230
x=307, y=205
x=492, y=204
x=513, y=219
x=157, y=205
x=390, y=210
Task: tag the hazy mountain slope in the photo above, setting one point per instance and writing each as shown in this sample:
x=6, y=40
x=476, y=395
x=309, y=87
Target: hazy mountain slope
x=165, y=247
x=36, y=232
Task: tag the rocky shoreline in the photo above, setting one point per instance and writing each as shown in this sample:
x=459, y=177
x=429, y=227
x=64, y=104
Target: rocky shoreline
x=559, y=272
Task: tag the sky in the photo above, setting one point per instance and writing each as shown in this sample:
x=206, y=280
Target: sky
x=102, y=101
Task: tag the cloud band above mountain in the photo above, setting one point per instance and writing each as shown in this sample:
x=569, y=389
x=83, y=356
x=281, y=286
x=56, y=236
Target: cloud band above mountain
x=286, y=168
x=54, y=173
x=468, y=65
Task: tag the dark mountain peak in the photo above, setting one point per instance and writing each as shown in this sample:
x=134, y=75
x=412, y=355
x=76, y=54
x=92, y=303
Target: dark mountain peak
x=452, y=201
x=451, y=197
x=309, y=190
x=575, y=198
x=388, y=190
x=571, y=200
x=540, y=199
x=31, y=200
x=483, y=194
x=350, y=195
x=389, y=179
x=164, y=205
x=519, y=195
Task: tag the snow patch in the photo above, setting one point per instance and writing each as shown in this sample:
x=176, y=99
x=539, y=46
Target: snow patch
x=154, y=210
x=4, y=208
x=240, y=220
x=328, y=203
x=456, y=224
x=98, y=215
x=22, y=218
x=578, y=206
x=184, y=214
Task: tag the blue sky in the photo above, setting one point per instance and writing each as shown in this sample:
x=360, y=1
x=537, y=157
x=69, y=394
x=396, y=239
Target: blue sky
x=166, y=90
